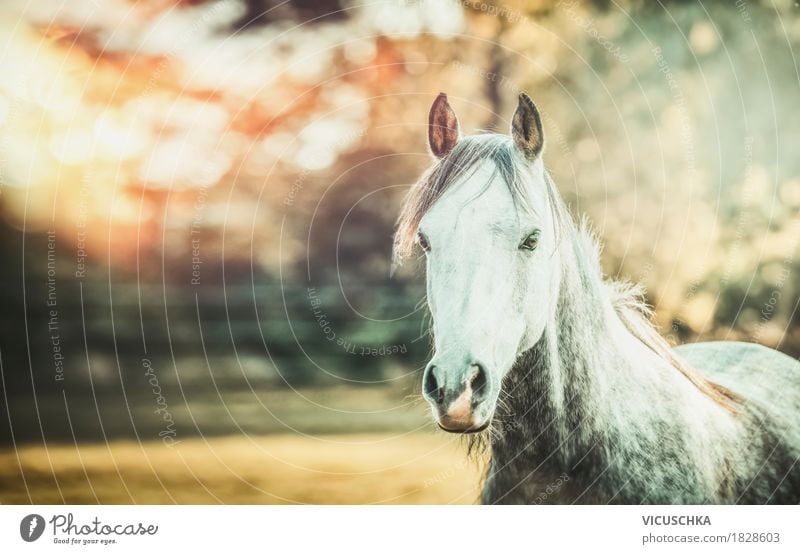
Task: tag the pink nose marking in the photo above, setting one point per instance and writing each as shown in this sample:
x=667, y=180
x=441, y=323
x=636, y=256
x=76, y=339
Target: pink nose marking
x=460, y=410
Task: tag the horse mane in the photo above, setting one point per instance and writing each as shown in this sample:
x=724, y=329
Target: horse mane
x=631, y=310
x=627, y=299
x=629, y=303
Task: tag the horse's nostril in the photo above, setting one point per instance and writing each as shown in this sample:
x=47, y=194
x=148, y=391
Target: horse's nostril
x=431, y=386
x=479, y=382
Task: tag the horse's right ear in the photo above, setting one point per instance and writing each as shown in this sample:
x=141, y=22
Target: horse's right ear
x=443, y=129
x=526, y=128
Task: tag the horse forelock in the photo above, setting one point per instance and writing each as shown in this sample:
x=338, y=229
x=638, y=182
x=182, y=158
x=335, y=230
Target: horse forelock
x=461, y=162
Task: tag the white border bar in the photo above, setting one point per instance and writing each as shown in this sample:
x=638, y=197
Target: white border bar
x=415, y=529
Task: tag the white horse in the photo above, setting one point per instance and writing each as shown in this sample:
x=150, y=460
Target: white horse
x=581, y=398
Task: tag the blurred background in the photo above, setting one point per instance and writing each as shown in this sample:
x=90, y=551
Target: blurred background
x=197, y=201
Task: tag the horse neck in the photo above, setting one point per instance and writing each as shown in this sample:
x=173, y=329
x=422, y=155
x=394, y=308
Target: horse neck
x=589, y=380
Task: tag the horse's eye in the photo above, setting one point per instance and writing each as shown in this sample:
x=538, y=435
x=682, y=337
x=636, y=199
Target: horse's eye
x=530, y=242
x=422, y=240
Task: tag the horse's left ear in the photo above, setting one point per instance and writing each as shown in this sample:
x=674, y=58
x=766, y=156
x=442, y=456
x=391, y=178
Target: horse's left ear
x=526, y=128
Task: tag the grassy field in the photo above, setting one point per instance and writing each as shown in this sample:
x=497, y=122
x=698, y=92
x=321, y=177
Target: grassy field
x=279, y=469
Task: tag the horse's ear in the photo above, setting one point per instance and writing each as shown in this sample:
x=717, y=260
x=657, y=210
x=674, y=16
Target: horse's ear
x=443, y=130
x=526, y=128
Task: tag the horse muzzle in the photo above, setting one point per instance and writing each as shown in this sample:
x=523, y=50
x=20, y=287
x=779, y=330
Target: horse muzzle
x=458, y=397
